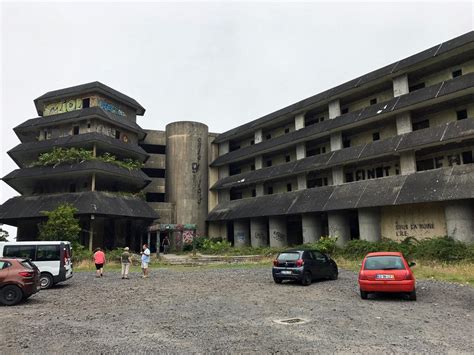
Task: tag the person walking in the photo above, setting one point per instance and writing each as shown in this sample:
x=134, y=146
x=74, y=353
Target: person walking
x=145, y=260
x=99, y=261
x=126, y=260
x=165, y=244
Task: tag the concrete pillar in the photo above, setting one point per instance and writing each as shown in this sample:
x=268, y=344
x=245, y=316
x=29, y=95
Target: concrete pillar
x=311, y=227
x=91, y=233
x=403, y=121
x=258, y=232
x=334, y=109
x=241, y=233
x=277, y=231
x=338, y=175
x=259, y=190
x=258, y=162
x=223, y=171
x=407, y=163
x=299, y=121
x=223, y=148
x=300, y=151
x=400, y=85
x=258, y=136
x=338, y=224
x=369, y=224
x=302, y=181
x=223, y=196
x=336, y=141
x=459, y=217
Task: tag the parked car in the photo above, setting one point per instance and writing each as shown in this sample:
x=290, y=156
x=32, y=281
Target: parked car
x=303, y=266
x=386, y=272
x=19, y=279
x=53, y=259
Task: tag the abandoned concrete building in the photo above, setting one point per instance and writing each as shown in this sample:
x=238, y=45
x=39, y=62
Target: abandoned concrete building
x=388, y=154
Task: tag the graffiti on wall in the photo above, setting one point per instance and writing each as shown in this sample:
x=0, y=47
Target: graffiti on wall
x=197, y=186
x=279, y=236
x=62, y=106
x=188, y=237
x=106, y=106
x=410, y=230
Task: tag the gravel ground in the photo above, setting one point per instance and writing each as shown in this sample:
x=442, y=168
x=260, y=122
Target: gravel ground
x=233, y=310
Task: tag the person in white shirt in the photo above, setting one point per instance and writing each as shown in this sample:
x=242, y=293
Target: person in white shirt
x=145, y=260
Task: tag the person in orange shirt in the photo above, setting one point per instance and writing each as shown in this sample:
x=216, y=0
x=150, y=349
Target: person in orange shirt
x=99, y=260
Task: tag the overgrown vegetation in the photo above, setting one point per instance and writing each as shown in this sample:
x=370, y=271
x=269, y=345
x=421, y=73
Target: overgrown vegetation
x=60, y=156
x=60, y=225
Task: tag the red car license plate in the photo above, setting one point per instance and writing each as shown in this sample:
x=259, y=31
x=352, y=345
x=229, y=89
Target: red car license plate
x=384, y=277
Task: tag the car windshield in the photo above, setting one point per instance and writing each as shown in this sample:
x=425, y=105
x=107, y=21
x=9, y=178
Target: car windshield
x=384, y=263
x=289, y=256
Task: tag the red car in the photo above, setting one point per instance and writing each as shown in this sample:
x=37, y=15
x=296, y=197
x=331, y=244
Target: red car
x=19, y=279
x=386, y=272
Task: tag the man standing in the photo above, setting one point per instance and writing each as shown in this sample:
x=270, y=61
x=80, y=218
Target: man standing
x=126, y=260
x=165, y=245
x=145, y=260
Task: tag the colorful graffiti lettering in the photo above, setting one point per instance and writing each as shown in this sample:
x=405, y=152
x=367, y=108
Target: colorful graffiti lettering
x=62, y=106
x=111, y=108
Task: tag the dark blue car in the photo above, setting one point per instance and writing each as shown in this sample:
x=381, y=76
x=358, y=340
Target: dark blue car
x=303, y=266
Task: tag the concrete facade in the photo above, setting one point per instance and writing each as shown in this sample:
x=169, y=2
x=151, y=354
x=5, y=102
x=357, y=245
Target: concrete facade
x=460, y=220
x=258, y=232
x=370, y=224
x=312, y=230
x=277, y=231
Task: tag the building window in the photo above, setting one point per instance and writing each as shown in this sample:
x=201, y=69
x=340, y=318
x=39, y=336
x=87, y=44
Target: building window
x=154, y=148
x=373, y=101
x=270, y=190
x=234, y=170
x=421, y=125
x=252, y=142
x=233, y=147
x=117, y=134
x=254, y=193
x=344, y=110
x=252, y=167
x=236, y=195
x=457, y=73
x=268, y=136
x=349, y=177
x=268, y=163
x=75, y=130
x=287, y=130
x=426, y=164
x=288, y=187
x=467, y=157
x=154, y=173
x=72, y=188
x=86, y=103
x=346, y=143
x=375, y=136
x=416, y=87
x=461, y=115
x=287, y=158
x=154, y=197
x=88, y=125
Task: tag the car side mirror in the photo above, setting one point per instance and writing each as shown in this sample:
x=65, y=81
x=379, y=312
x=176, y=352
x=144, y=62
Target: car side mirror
x=412, y=264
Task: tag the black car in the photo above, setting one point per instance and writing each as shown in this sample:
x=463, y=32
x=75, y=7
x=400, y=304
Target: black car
x=303, y=266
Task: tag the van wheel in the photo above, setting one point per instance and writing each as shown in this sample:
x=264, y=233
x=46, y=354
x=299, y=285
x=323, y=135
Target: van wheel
x=10, y=295
x=307, y=278
x=46, y=281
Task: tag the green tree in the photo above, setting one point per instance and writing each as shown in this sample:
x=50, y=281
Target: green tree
x=3, y=235
x=61, y=224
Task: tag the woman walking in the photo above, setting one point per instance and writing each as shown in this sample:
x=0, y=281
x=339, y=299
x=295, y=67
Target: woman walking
x=99, y=261
x=126, y=262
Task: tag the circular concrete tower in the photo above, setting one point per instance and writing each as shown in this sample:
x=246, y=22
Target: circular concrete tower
x=187, y=172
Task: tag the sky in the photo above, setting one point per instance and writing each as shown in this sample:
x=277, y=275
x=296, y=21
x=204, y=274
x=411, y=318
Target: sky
x=220, y=63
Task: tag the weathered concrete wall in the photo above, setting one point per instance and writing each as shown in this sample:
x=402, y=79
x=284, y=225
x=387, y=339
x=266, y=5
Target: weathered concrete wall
x=258, y=232
x=338, y=225
x=312, y=230
x=213, y=151
x=460, y=220
x=370, y=224
x=277, y=231
x=241, y=233
x=165, y=210
x=187, y=172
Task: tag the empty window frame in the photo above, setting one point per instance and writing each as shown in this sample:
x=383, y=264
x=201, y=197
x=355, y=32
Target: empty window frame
x=154, y=173
x=421, y=125
x=254, y=193
x=373, y=101
x=270, y=190
x=75, y=130
x=288, y=187
x=467, y=157
x=154, y=148
x=154, y=197
x=344, y=110
x=86, y=103
x=461, y=114
x=268, y=163
x=268, y=136
x=117, y=134
x=376, y=136
x=456, y=73
x=287, y=158
x=425, y=164
x=287, y=130
x=416, y=87
x=346, y=143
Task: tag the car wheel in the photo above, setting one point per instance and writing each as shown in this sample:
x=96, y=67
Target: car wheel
x=46, y=281
x=307, y=278
x=334, y=274
x=10, y=295
x=364, y=295
x=277, y=280
x=412, y=295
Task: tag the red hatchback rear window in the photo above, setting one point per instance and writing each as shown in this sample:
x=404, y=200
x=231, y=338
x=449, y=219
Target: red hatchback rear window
x=384, y=263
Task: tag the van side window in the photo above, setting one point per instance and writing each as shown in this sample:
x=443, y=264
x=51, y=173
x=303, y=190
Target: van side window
x=20, y=251
x=47, y=253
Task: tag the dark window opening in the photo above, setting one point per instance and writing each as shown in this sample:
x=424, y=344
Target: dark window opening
x=252, y=167
x=373, y=101
x=438, y=162
x=416, y=87
x=154, y=197
x=349, y=177
x=85, y=185
x=233, y=147
x=344, y=110
x=375, y=136
x=270, y=190
x=117, y=134
x=88, y=125
x=287, y=130
x=346, y=143
x=288, y=187
x=321, y=119
x=254, y=193
x=235, y=195
x=75, y=130
x=457, y=73
x=252, y=142
x=72, y=188
x=467, y=157
x=154, y=148
x=86, y=103
x=421, y=125
x=287, y=158
x=268, y=136
x=154, y=173
x=234, y=170
x=316, y=182
x=461, y=114
x=268, y=163
x=426, y=164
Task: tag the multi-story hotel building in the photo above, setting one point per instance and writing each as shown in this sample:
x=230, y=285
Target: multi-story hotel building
x=388, y=154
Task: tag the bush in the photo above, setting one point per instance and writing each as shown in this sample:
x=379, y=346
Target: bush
x=443, y=249
x=215, y=246
x=324, y=244
x=80, y=253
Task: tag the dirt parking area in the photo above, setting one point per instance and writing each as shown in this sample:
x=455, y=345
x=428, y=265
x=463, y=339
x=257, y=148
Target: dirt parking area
x=234, y=310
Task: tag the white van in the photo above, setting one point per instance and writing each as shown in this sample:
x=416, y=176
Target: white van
x=53, y=259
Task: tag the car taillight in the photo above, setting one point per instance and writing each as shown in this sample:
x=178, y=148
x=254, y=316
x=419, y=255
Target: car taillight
x=275, y=262
x=408, y=276
x=299, y=262
x=26, y=274
x=362, y=276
